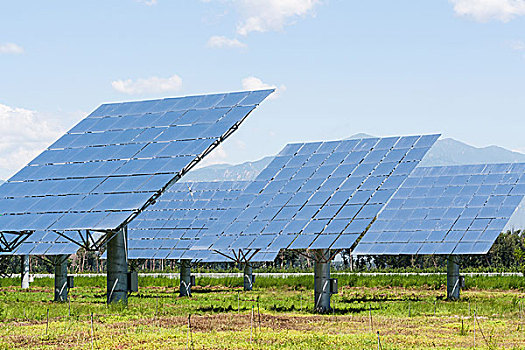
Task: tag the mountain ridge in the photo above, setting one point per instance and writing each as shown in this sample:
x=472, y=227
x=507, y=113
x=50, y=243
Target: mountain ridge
x=446, y=151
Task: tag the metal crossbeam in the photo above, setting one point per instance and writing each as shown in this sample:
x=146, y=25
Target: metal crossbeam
x=10, y=245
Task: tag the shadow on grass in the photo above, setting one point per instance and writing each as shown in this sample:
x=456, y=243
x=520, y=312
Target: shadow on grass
x=372, y=299
x=218, y=309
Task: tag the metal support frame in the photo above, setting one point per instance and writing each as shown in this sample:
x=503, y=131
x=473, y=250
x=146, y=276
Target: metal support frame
x=243, y=257
x=62, y=280
x=117, y=267
x=61, y=283
x=24, y=271
x=248, y=277
x=11, y=243
x=322, y=290
x=240, y=256
x=86, y=238
x=453, y=278
x=329, y=257
x=185, y=278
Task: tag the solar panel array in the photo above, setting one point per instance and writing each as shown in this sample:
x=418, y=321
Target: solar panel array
x=447, y=210
x=170, y=226
x=111, y=163
x=45, y=243
x=316, y=195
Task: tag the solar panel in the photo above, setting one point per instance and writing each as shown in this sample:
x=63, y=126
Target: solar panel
x=117, y=160
x=317, y=195
x=447, y=210
x=45, y=243
x=166, y=229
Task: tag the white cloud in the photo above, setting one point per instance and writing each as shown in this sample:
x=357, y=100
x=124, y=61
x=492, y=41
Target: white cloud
x=253, y=83
x=517, y=45
x=10, y=48
x=148, y=2
x=271, y=15
x=217, y=156
x=222, y=41
x=148, y=85
x=240, y=144
x=24, y=135
x=485, y=10
x=268, y=15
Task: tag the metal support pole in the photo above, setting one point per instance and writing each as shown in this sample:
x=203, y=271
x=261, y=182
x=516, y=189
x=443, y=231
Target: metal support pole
x=248, y=277
x=24, y=271
x=117, y=267
x=453, y=285
x=322, y=281
x=185, y=278
x=61, y=287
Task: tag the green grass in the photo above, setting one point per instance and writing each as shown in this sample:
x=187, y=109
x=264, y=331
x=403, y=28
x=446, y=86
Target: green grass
x=408, y=311
x=352, y=280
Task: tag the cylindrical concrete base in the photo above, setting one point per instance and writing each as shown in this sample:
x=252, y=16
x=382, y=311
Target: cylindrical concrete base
x=24, y=271
x=185, y=278
x=61, y=287
x=248, y=277
x=453, y=286
x=322, y=282
x=117, y=274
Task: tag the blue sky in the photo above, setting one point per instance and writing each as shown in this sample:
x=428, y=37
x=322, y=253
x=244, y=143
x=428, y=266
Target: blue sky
x=341, y=67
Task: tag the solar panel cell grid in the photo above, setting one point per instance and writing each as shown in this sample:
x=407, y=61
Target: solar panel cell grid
x=45, y=243
x=117, y=158
x=181, y=218
x=321, y=188
x=463, y=206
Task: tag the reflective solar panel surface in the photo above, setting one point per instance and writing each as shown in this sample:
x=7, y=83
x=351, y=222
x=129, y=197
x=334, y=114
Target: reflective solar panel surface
x=317, y=195
x=45, y=243
x=111, y=163
x=170, y=226
x=447, y=210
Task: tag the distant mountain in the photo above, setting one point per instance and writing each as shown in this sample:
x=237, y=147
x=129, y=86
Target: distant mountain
x=452, y=152
x=360, y=135
x=227, y=172
x=445, y=152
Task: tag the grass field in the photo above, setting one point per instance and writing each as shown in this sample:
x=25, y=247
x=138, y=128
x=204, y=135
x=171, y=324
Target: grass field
x=407, y=311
